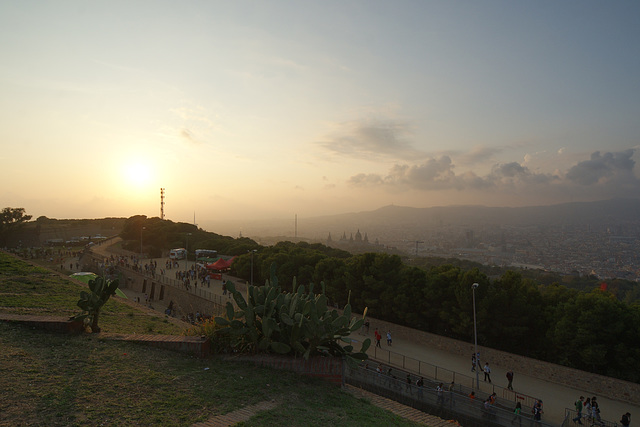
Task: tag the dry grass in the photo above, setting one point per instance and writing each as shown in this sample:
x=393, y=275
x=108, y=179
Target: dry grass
x=61, y=380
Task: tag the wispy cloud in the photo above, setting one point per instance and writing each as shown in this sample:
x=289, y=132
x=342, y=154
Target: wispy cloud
x=188, y=136
x=371, y=140
x=479, y=153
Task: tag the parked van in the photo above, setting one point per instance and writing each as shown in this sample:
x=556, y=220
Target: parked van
x=180, y=253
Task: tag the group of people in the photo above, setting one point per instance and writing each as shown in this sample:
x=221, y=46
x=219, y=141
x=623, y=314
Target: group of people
x=590, y=410
x=378, y=337
x=475, y=364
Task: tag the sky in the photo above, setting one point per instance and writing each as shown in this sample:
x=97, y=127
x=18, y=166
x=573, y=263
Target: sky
x=247, y=110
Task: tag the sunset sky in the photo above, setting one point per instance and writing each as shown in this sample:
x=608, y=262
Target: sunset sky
x=249, y=110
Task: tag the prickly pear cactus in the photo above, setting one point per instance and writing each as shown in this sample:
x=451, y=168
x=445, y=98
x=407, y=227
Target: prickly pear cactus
x=297, y=323
x=91, y=303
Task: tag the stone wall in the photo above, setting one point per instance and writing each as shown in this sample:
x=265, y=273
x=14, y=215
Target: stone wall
x=49, y=323
x=589, y=383
x=328, y=368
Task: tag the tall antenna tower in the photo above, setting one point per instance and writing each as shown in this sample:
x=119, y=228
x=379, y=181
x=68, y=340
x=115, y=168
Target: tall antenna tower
x=161, y=203
x=296, y=229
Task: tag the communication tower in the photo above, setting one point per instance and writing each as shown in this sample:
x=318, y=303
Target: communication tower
x=161, y=203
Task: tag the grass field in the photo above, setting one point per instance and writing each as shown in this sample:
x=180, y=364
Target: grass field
x=54, y=379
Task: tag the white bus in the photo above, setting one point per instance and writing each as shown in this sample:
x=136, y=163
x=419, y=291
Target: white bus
x=180, y=253
x=206, y=253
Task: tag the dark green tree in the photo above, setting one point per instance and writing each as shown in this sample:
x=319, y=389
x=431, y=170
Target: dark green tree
x=10, y=220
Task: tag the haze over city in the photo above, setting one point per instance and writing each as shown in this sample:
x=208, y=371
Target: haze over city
x=255, y=110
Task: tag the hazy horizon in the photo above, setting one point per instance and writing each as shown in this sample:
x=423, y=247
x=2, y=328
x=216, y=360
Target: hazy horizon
x=317, y=227
x=249, y=111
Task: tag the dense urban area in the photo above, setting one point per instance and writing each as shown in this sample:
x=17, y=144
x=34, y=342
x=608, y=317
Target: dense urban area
x=605, y=253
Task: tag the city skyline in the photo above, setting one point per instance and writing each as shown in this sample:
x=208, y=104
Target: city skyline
x=249, y=110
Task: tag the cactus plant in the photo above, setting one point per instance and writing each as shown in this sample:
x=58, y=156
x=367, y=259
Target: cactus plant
x=298, y=323
x=91, y=303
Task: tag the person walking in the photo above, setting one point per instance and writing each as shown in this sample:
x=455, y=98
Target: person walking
x=516, y=413
x=587, y=408
x=579, y=404
x=537, y=412
x=510, y=379
x=389, y=338
x=452, y=388
x=439, y=393
x=595, y=411
x=378, y=337
x=626, y=420
x=487, y=372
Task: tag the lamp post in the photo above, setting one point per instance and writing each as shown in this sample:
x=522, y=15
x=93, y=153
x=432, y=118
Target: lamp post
x=475, y=333
x=186, y=256
x=143, y=228
x=252, y=252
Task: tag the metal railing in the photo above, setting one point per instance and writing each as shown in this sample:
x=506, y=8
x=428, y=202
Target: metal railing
x=587, y=420
x=455, y=404
x=446, y=376
x=100, y=263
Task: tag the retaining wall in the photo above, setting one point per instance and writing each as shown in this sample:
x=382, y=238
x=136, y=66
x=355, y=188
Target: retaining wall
x=49, y=323
x=328, y=368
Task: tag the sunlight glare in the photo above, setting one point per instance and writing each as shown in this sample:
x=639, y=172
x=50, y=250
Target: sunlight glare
x=137, y=174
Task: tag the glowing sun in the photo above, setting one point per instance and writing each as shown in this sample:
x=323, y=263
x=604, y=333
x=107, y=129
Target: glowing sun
x=137, y=173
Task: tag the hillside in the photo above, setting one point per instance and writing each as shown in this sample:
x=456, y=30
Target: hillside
x=405, y=222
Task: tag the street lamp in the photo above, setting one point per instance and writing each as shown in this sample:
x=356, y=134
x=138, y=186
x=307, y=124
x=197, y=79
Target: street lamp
x=143, y=228
x=252, y=252
x=186, y=256
x=475, y=333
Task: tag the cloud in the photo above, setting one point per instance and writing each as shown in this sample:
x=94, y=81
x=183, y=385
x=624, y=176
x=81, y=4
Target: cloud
x=433, y=174
x=188, y=136
x=479, y=153
x=366, y=179
x=372, y=139
x=194, y=125
x=604, y=175
x=602, y=167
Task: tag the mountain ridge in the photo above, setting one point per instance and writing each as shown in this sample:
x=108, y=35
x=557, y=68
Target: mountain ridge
x=395, y=218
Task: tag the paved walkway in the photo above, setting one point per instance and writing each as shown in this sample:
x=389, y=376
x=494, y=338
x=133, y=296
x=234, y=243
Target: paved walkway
x=555, y=397
x=400, y=409
x=239, y=416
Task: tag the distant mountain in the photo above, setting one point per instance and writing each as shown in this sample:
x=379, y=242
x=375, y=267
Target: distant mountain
x=402, y=220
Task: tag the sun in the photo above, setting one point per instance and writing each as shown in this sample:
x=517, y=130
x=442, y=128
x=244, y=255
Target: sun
x=137, y=173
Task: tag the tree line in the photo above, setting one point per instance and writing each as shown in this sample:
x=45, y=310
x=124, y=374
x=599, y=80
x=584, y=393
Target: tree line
x=588, y=329
x=576, y=322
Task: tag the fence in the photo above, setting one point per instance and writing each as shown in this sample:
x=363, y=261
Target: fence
x=455, y=404
x=446, y=376
x=586, y=419
x=100, y=264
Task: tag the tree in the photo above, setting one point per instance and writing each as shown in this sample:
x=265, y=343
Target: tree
x=10, y=220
